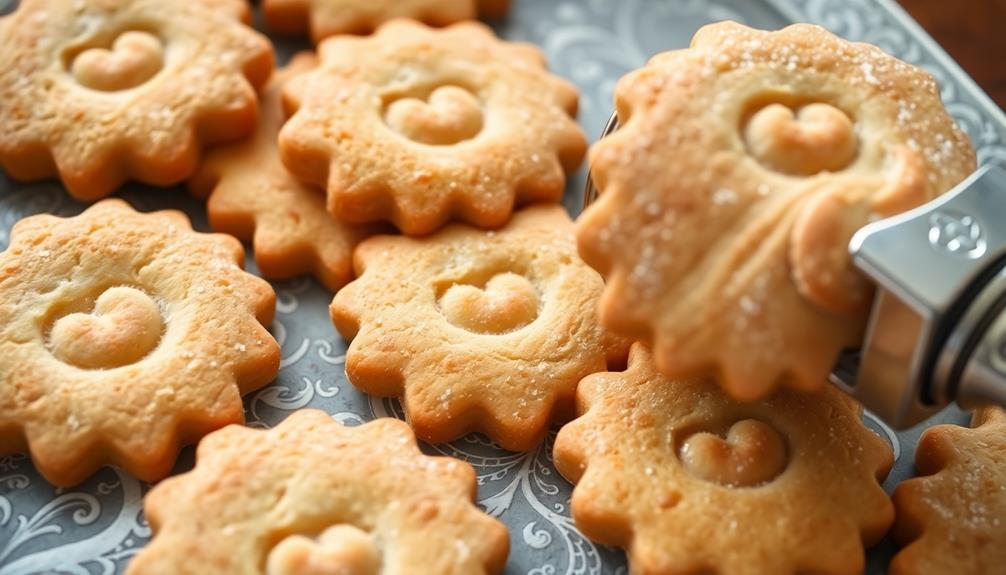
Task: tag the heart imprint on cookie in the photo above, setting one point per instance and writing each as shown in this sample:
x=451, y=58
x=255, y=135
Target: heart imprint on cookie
x=751, y=454
x=447, y=116
x=803, y=140
x=133, y=58
x=506, y=302
x=125, y=326
x=341, y=549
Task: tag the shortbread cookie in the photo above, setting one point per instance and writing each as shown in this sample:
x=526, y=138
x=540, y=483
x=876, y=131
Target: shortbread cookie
x=478, y=331
x=254, y=197
x=742, y=168
x=314, y=497
x=690, y=481
x=326, y=18
x=417, y=126
x=98, y=92
x=123, y=336
x=953, y=519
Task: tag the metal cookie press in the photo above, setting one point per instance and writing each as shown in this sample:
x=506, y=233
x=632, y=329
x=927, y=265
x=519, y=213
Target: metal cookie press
x=937, y=329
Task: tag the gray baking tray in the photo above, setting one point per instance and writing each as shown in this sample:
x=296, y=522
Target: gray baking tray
x=97, y=526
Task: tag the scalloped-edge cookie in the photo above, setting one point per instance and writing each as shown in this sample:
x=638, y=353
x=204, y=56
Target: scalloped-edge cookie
x=98, y=92
x=326, y=18
x=253, y=197
x=419, y=126
x=690, y=481
x=314, y=497
x=476, y=330
x=123, y=336
x=742, y=167
x=953, y=517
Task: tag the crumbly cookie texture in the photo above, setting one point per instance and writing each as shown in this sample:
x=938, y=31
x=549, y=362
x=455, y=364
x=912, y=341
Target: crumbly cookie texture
x=953, y=517
x=98, y=92
x=253, y=197
x=418, y=126
x=324, y=18
x=314, y=497
x=742, y=168
x=691, y=481
x=124, y=336
x=477, y=331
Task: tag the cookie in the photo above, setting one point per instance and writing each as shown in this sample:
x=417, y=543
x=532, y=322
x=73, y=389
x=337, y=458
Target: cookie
x=418, y=126
x=253, y=197
x=124, y=336
x=690, y=481
x=477, y=331
x=953, y=518
x=314, y=497
x=742, y=168
x=98, y=92
x=326, y=18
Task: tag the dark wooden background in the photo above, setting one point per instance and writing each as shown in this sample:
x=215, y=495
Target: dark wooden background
x=973, y=32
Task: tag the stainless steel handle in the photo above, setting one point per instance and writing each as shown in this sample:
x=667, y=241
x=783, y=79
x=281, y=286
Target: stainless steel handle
x=938, y=270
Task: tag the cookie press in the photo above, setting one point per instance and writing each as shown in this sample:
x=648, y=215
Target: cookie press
x=937, y=327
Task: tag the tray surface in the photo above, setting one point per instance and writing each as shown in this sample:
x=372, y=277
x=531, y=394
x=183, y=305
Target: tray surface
x=97, y=526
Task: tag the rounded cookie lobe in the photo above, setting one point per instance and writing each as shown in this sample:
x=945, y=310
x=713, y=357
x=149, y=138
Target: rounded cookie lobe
x=124, y=336
x=690, y=481
x=476, y=330
x=952, y=519
x=253, y=197
x=326, y=18
x=742, y=167
x=127, y=90
x=284, y=501
x=419, y=126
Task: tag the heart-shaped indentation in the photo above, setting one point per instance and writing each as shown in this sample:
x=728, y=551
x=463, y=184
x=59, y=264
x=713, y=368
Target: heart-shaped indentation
x=753, y=453
x=125, y=326
x=450, y=115
x=507, y=302
x=134, y=58
x=817, y=138
x=339, y=550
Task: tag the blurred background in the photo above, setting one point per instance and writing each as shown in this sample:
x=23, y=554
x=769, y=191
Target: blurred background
x=973, y=32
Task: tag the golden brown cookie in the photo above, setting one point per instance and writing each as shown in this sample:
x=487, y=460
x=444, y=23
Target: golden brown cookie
x=418, y=126
x=124, y=336
x=690, y=481
x=326, y=18
x=953, y=518
x=314, y=497
x=477, y=331
x=252, y=196
x=742, y=168
x=98, y=92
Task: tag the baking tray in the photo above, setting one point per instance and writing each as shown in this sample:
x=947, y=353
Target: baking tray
x=97, y=526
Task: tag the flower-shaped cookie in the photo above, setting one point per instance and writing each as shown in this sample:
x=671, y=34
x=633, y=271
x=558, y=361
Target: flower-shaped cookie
x=479, y=331
x=314, y=497
x=954, y=517
x=254, y=197
x=689, y=480
x=742, y=168
x=416, y=126
x=327, y=18
x=99, y=92
x=123, y=336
